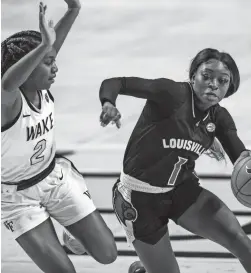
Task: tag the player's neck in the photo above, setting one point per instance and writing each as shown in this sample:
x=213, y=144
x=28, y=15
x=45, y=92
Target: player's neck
x=200, y=105
x=32, y=95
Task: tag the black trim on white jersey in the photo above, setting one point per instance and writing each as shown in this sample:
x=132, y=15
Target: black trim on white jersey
x=33, y=108
x=50, y=95
x=24, y=184
x=9, y=125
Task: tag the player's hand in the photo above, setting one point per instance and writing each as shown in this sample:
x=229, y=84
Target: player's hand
x=110, y=114
x=243, y=155
x=73, y=4
x=47, y=30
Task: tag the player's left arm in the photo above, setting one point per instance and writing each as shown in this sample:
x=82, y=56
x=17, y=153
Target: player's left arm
x=227, y=134
x=64, y=25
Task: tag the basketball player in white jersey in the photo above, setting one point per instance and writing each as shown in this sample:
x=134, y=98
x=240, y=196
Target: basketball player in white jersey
x=36, y=184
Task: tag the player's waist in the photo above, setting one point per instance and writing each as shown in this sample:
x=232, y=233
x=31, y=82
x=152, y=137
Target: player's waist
x=26, y=183
x=141, y=186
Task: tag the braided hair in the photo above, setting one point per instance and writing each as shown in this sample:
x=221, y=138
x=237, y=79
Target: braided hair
x=17, y=46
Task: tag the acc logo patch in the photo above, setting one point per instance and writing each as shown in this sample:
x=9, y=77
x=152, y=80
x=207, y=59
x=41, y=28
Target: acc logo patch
x=248, y=170
x=210, y=127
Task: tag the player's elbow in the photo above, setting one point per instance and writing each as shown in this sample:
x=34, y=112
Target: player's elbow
x=7, y=84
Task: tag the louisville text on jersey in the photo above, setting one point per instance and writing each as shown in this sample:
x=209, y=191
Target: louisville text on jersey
x=42, y=127
x=184, y=144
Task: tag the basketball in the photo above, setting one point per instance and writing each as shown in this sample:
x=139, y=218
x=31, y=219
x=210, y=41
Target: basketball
x=241, y=181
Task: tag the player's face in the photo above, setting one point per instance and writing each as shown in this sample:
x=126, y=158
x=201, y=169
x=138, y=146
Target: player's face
x=211, y=82
x=44, y=74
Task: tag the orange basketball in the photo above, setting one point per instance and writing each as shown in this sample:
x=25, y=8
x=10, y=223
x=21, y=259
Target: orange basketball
x=241, y=181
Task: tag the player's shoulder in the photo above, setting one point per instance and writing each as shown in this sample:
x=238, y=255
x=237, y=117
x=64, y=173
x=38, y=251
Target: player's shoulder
x=223, y=118
x=221, y=112
x=172, y=84
x=178, y=89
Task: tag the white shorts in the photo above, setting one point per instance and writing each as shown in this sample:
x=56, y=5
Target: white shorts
x=59, y=195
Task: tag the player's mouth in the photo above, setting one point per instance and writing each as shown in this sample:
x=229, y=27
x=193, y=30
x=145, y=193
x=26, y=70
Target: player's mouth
x=52, y=78
x=211, y=95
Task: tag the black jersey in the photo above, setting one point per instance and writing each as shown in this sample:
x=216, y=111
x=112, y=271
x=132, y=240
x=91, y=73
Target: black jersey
x=171, y=132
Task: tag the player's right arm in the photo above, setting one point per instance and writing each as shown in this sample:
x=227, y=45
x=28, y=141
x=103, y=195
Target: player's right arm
x=19, y=72
x=227, y=134
x=155, y=90
x=162, y=91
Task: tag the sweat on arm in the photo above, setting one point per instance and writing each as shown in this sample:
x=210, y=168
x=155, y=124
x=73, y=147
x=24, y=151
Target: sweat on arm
x=226, y=132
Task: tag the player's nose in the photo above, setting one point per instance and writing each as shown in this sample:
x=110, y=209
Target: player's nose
x=54, y=68
x=213, y=84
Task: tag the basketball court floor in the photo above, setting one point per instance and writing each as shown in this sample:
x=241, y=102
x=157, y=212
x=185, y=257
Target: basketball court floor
x=151, y=39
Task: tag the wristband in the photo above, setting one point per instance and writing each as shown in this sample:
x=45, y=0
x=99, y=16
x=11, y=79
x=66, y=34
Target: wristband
x=107, y=100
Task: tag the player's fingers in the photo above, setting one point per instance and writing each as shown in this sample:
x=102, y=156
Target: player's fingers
x=118, y=124
x=103, y=115
x=111, y=114
x=117, y=117
x=243, y=155
x=105, y=119
x=41, y=16
x=116, y=120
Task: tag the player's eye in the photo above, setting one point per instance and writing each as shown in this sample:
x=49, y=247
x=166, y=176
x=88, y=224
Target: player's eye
x=223, y=81
x=50, y=62
x=206, y=76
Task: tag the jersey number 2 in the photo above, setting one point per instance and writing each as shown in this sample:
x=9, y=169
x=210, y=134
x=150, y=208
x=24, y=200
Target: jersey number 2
x=176, y=170
x=39, y=148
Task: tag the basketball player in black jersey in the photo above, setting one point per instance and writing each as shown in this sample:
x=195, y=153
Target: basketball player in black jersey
x=179, y=122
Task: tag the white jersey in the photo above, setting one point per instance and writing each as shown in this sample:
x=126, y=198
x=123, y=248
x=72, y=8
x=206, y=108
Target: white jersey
x=28, y=145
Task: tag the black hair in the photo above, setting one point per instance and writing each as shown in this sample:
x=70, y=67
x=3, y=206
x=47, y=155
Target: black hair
x=17, y=46
x=210, y=53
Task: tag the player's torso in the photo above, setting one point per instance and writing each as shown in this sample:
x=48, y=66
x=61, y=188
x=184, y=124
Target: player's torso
x=162, y=152
x=28, y=146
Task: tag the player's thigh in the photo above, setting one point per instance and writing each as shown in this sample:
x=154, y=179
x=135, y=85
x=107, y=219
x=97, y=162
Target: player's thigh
x=73, y=208
x=96, y=237
x=144, y=219
x=210, y=218
x=42, y=245
x=159, y=257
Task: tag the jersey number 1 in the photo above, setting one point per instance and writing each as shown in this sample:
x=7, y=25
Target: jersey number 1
x=176, y=170
x=39, y=148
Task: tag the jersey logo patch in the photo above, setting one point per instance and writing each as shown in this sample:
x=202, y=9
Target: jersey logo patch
x=210, y=127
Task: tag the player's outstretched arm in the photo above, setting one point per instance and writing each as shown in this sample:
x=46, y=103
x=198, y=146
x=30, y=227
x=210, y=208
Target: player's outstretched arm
x=132, y=86
x=18, y=73
x=163, y=91
x=64, y=25
x=109, y=90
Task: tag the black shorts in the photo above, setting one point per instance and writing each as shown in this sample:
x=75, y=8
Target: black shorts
x=144, y=216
